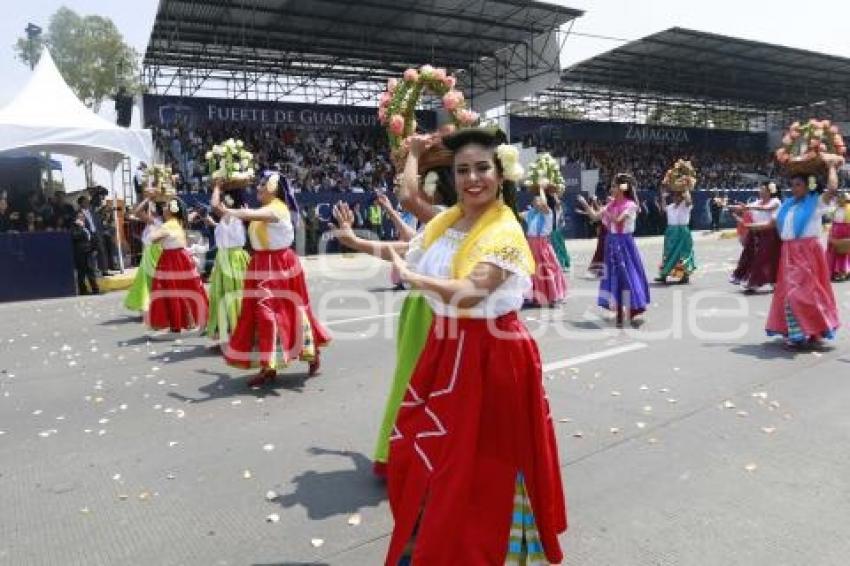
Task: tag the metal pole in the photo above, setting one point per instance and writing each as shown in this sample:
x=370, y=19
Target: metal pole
x=118, y=226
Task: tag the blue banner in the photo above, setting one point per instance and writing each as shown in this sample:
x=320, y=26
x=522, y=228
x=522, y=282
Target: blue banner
x=198, y=112
x=556, y=129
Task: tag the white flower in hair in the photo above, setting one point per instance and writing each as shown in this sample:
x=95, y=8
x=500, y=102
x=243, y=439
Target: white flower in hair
x=509, y=158
x=429, y=185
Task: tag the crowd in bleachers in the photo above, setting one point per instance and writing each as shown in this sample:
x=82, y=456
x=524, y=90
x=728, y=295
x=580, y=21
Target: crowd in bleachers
x=314, y=160
x=717, y=169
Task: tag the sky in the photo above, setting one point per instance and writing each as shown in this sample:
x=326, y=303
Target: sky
x=818, y=26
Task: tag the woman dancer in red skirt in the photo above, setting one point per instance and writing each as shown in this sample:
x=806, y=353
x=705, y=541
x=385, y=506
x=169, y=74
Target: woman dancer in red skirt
x=839, y=260
x=276, y=324
x=178, y=298
x=474, y=475
x=803, y=309
x=759, y=259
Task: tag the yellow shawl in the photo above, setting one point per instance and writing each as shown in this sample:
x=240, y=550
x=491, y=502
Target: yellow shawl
x=260, y=228
x=496, y=237
x=175, y=230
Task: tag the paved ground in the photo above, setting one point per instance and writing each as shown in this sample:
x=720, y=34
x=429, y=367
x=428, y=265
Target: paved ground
x=692, y=441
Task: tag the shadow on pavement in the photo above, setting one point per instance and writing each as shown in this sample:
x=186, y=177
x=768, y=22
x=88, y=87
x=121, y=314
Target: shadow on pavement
x=770, y=350
x=338, y=492
x=127, y=319
x=226, y=385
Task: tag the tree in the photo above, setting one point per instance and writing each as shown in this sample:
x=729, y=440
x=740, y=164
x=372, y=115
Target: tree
x=92, y=56
x=90, y=53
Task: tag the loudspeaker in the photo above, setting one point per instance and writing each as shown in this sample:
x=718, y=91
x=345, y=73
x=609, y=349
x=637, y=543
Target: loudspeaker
x=124, y=109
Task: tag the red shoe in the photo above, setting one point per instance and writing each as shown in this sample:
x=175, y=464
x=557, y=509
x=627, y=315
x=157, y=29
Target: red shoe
x=264, y=376
x=380, y=469
x=315, y=366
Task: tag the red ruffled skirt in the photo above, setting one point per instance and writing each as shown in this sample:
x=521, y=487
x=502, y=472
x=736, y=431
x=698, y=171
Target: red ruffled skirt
x=276, y=324
x=839, y=264
x=759, y=259
x=178, y=298
x=548, y=283
x=597, y=262
x=803, y=303
x=475, y=415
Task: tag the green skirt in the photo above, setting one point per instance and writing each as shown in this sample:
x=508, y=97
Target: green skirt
x=226, y=282
x=139, y=296
x=678, y=261
x=560, y=248
x=413, y=327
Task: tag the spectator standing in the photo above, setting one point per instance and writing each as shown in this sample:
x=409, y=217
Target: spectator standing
x=8, y=219
x=83, y=242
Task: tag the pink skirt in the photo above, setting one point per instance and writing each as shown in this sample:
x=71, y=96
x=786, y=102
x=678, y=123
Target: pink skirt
x=839, y=264
x=548, y=283
x=803, y=304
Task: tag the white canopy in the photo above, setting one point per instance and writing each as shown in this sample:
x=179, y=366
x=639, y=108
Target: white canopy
x=46, y=115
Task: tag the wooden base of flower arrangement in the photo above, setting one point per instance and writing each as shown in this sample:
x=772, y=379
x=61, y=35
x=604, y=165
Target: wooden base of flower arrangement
x=236, y=184
x=682, y=186
x=435, y=157
x=841, y=246
x=808, y=165
x=164, y=197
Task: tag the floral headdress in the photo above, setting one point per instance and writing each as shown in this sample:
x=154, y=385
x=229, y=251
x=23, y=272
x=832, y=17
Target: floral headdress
x=681, y=177
x=161, y=179
x=397, y=107
x=804, y=144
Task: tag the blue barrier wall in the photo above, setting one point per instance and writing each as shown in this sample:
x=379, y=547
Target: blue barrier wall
x=36, y=266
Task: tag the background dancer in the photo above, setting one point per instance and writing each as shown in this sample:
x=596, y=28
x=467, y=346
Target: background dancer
x=178, y=298
x=228, y=273
x=624, y=288
x=838, y=251
x=803, y=309
x=276, y=324
x=678, y=261
x=593, y=212
x=138, y=297
x=549, y=287
x=759, y=259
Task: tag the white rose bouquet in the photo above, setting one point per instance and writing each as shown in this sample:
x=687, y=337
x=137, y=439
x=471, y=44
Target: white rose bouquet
x=232, y=164
x=160, y=180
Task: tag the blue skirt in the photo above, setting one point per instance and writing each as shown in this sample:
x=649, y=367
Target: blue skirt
x=624, y=282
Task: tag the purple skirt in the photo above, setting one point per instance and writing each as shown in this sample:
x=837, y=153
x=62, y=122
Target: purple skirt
x=624, y=280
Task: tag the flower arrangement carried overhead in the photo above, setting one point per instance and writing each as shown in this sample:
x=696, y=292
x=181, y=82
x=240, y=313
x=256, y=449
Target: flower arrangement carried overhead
x=232, y=164
x=681, y=177
x=545, y=172
x=397, y=105
x=160, y=179
x=804, y=145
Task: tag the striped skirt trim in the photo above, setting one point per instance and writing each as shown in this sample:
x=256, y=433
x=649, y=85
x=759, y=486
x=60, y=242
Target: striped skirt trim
x=524, y=545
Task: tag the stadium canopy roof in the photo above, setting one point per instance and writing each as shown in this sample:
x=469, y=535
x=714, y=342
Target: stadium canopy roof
x=321, y=48
x=687, y=66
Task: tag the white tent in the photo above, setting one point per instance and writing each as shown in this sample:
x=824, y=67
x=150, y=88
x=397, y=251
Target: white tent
x=46, y=115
